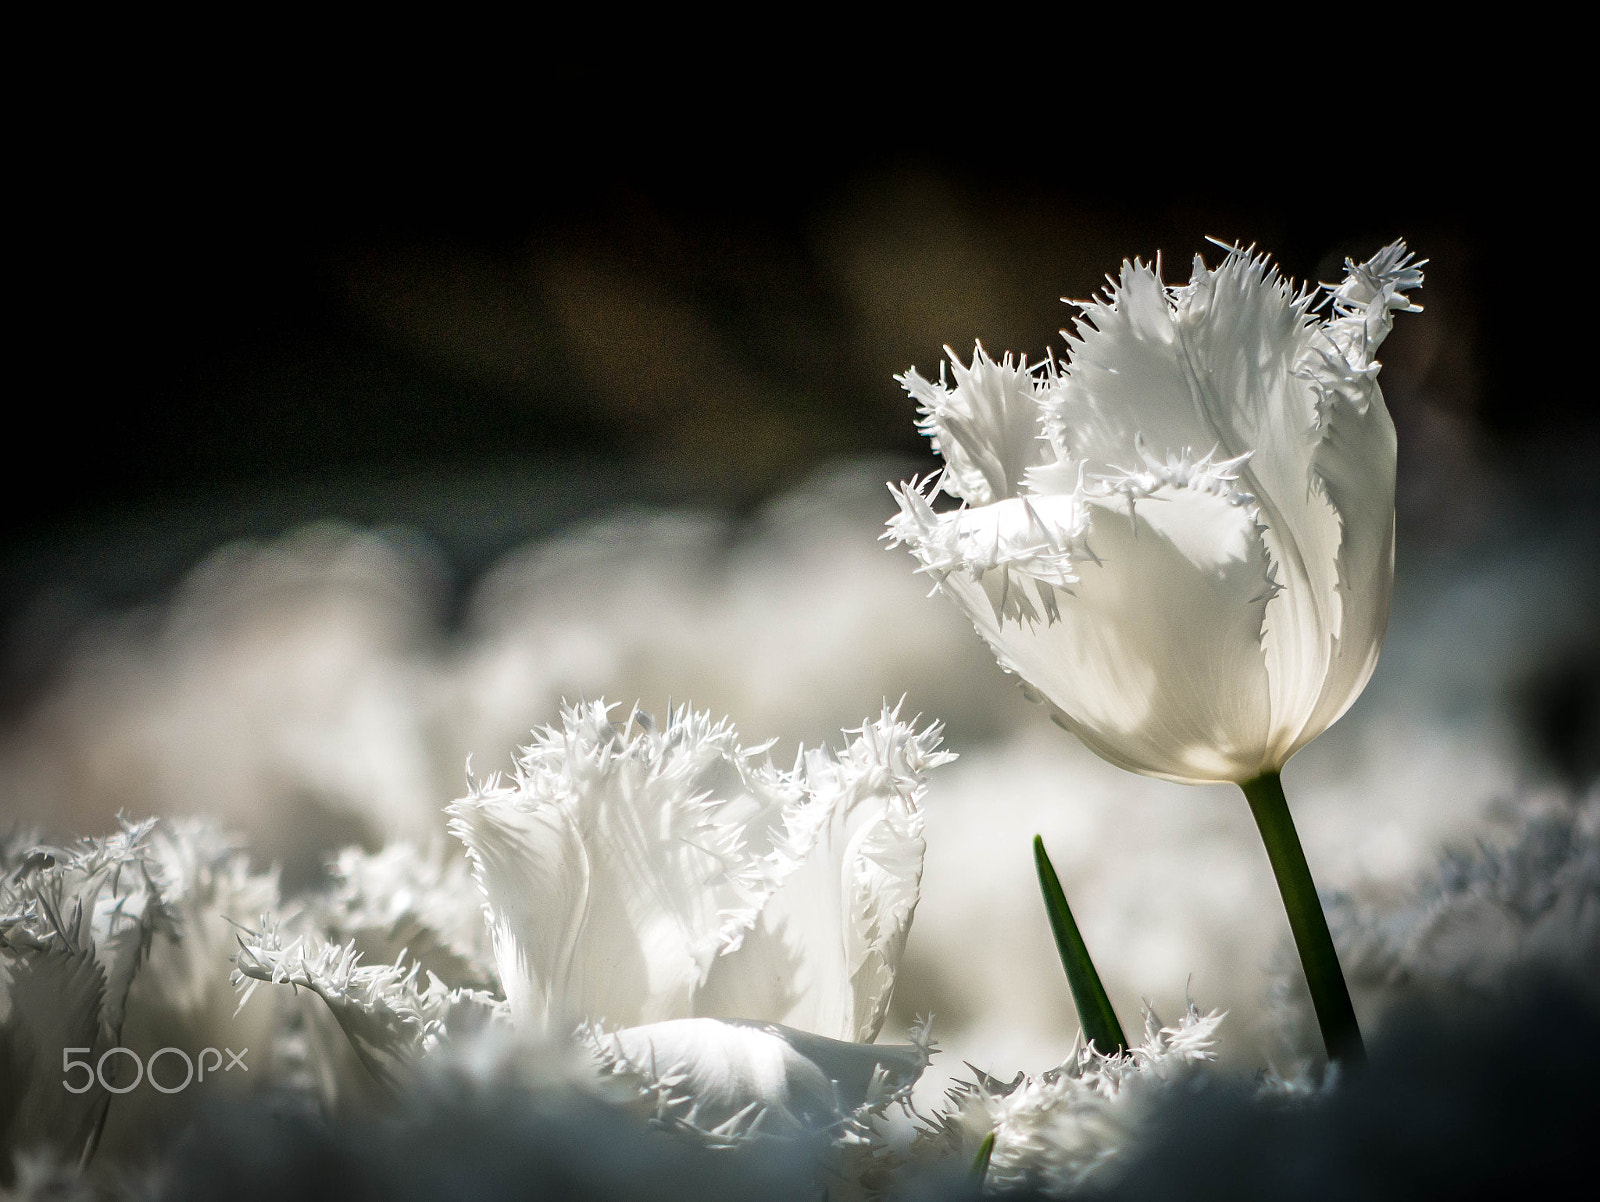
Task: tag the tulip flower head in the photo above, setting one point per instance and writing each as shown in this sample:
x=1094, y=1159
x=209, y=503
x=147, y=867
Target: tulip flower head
x=1181, y=539
x=720, y=933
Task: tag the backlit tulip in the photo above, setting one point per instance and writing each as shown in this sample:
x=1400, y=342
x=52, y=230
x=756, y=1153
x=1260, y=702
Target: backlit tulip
x=1181, y=538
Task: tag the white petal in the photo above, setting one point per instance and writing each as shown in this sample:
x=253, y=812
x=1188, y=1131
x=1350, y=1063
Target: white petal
x=50, y=999
x=531, y=866
x=616, y=869
x=404, y=902
x=733, y=1081
x=824, y=954
x=1354, y=464
x=989, y=427
x=1155, y=659
x=75, y=924
x=390, y=1017
x=1236, y=364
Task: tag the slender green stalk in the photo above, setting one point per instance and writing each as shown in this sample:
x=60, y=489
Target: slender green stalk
x=980, y=1162
x=1335, y=1015
x=1098, y=1019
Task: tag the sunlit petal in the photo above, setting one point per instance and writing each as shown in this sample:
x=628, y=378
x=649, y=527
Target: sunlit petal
x=988, y=427
x=824, y=953
x=615, y=867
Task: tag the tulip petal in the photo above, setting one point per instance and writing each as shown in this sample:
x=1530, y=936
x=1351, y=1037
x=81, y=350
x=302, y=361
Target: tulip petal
x=824, y=953
x=1154, y=657
x=389, y=1017
x=1067, y=1127
x=1354, y=464
x=616, y=868
x=51, y=999
x=75, y=926
x=988, y=428
x=404, y=902
x=531, y=866
x=734, y=1081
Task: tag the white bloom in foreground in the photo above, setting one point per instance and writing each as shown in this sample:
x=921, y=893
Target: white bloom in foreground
x=1053, y=1131
x=1183, y=539
x=724, y=934
x=635, y=875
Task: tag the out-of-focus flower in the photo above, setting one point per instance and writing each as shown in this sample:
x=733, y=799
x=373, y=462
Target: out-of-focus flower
x=75, y=925
x=725, y=933
x=1182, y=540
x=1054, y=1131
x=411, y=902
x=1524, y=903
x=391, y=1013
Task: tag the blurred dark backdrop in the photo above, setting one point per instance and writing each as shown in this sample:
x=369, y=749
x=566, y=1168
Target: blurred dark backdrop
x=230, y=330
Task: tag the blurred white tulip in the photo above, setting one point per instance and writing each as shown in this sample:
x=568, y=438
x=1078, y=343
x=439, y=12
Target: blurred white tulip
x=1054, y=1132
x=1205, y=613
x=75, y=926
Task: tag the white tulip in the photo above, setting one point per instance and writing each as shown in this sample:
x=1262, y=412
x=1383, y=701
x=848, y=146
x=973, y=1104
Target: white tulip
x=648, y=882
x=75, y=926
x=724, y=934
x=1182, y=538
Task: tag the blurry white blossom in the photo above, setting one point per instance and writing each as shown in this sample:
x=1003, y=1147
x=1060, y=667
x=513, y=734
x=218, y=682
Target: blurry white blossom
x=788, y=618
x=391, y=1013
x=1183, y=538
x=1054, y=1131
x=1521, y=902
x=75, y=925
x=405, y=900
x=277, y=693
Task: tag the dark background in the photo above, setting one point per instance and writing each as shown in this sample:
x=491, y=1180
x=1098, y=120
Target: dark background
x=236, y=323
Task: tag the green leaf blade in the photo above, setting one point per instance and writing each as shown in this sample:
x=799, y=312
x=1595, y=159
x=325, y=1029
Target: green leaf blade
x=1098, y=1019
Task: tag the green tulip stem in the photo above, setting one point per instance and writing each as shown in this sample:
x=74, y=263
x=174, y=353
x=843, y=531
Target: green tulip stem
x=1095, y=1015
x=1335, y=1015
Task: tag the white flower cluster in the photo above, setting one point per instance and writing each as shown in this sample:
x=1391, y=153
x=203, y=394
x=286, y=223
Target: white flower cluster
x=111, y=942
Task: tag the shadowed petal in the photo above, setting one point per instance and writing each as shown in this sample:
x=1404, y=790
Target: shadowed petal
x=733, y=1081
x=390, y=1017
